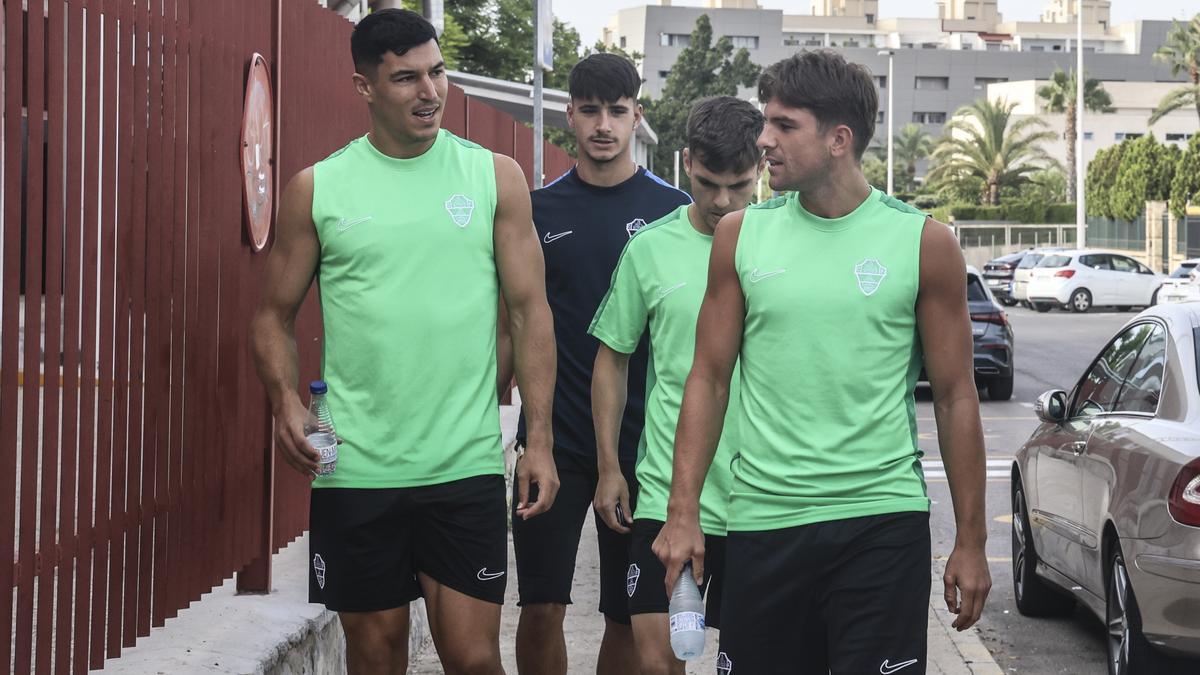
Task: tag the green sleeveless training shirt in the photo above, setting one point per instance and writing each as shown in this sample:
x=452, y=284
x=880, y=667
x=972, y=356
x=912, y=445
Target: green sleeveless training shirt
x=659, y=283
x=830, y=356
x=408, y=292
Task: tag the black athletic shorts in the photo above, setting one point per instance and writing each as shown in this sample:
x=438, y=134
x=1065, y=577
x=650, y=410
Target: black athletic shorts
x=644, y=579
x=545, y=545
x=845, y=596
x=367, y=545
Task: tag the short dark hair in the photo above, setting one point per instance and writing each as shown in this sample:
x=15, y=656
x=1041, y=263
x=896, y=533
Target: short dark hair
x=825, y=84
x=722, y=132
x=604, y=76
x=387, y=30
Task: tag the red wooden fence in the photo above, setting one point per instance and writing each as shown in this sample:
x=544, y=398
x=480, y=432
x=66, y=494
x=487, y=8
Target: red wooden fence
x=135, y=464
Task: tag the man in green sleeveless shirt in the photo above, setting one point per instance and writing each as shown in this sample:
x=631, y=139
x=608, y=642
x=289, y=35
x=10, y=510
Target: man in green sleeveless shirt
x=829, y=298
x=657, y=288
x=413, y=234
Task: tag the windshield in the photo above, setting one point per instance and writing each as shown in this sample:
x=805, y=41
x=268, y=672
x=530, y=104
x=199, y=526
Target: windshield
x=1030, y=260
x=1055, y=261
x=975, y=291
x=1183, y=270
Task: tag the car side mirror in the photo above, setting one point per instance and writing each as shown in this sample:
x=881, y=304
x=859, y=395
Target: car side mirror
x=1051, y=406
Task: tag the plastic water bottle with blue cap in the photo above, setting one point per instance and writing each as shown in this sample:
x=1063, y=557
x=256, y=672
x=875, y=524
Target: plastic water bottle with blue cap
x=687, y=617
x=319, y=429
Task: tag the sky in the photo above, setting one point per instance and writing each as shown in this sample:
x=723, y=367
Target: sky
x=589, y=16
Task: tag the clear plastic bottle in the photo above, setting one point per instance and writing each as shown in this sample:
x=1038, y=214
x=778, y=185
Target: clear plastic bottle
x=687, y=617
x=319, y=429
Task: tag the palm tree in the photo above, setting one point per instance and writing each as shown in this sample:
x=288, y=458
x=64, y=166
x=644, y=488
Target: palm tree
x=1060, y=94
x=985, y=148
x=911, y=145
x=1182, y=52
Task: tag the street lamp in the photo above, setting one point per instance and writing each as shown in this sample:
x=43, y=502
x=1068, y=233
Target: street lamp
x=891, y=86
x=1080, y=212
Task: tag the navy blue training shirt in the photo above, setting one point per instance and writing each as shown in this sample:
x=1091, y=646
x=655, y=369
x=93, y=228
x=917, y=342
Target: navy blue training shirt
x=583, y=229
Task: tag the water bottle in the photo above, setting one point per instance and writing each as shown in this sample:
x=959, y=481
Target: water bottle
x=319, y=428
x=687, y=617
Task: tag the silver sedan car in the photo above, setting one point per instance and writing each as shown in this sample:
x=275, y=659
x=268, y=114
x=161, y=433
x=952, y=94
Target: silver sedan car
x=1106, y=496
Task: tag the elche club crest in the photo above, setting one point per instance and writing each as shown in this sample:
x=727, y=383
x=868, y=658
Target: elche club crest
x=319, y=570
x=724, y=664
x=870, y=274
x=631, y=579
x=460, y=208
x=634, y=225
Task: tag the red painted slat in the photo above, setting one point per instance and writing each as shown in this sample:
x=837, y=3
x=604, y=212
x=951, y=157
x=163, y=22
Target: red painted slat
x=9, y=306
x=67, y=527
x=160, y=358
x=127, y=120
x=48, y=547
x=88, y=356
x=34, y=194
x=103, y=552
x=140, y=504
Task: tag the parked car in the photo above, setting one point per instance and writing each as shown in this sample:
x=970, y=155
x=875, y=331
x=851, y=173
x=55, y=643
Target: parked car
x=1182, y=285
x=1021, y=275
x=1106, y=496
x=998, y=273
x=1081, y=279
x=993, y=337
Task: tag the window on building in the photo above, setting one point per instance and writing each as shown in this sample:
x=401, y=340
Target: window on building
x=880, y=117
x=746, y=41
x=814, y=42
x=932, y=83
x=675, y=39
x=930, y=45
x=983, y=82
x=851, y=43
x=622, y=42
x=870, y=18
x=929, y=117
x=1037, y=48
x=1057, y=48
x=1178, y=137
x=881, y=81
x=1130, y=135
x=662, y=74
x=1088, y=135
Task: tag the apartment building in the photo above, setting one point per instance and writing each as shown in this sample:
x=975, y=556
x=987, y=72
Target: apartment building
x=939, y=64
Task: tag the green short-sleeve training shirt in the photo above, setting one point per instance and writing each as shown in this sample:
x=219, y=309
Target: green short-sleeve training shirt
x=659, y=284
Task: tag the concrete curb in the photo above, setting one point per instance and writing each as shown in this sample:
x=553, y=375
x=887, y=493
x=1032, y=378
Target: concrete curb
x=951, y=651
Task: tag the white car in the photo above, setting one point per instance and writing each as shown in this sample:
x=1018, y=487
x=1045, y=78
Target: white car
x=1021, y=276
x=1183, y=284
x=1084, y=278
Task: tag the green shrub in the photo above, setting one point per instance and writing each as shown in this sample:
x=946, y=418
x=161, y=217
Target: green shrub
x=1058, y=214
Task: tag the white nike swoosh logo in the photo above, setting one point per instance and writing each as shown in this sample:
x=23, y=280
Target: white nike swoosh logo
x=485, y=575
x=757, y=276
x=555, y=237
x=344, y=224
x=888, y=670
x=667, y=291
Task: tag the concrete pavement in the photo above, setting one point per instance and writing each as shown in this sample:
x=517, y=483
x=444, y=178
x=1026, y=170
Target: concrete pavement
x=282, y=633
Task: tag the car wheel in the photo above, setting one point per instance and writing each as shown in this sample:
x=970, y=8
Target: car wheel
x=1129, y=652
x=1042, y=307
x=1081, y=301
x=1008, y=302
x=1034, y=596
x=1000, y=388
x=1027, y=304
